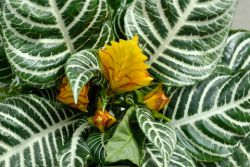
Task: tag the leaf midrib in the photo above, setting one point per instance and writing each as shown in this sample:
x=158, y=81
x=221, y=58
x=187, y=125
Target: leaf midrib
x=36, y=137
x=75, y=138
x=173, y=32
x=62, y=26
x=208, y=114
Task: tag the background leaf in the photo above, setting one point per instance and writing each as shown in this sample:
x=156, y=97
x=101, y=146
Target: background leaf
x=50, y=93
x=122, y=145
x=181, y=158
x=211, y=117
x=97, y=143
x=81, y=68
x=160, y=135
x=183, y=39
x=41, y=35
x=240, y=157
x=32, y=131
x=118, y=23
x=153, y=158
x=76, y=152
x=237, y=52
x=6, y=74
x=116, y=4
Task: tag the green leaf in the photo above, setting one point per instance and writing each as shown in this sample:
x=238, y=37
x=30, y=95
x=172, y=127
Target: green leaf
x=6, y=74
x=118, y=23
x=240, y=157
x=32, y=131
x=118, y=20
x=237, y=51
x=181, y=158
x=40, y=36
x=81, y=68
x=212, y=116
x=183, y=39
x=122, y=145
x=162, y=136
x=76, y=152
x=97, y=144
x=153, y=158
x=116, y=4
x=50, y=93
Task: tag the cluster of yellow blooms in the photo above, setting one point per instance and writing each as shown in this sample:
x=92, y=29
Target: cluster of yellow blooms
x=123, y=65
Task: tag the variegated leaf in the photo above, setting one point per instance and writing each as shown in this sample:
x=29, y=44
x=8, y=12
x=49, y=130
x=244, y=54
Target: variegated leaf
x=181, y=158
x=32, y=130
x=237, y=52
x=41, y=35
x=76, y=152
x=184, y=39
x=81, y=68
x=97, y=144
x=212, y=116
x=118, y=20
x=240, y=157
x=162, y=136
x=118, y=23
x=6, y=74
x=153, y=158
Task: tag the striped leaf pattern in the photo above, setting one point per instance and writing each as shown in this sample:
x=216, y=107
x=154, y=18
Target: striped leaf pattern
x=162, y=136
x=181, y=158
x=118, y=23
x=81, y=68
x=32, y=131
x=5, y=70
x=212, y=116
x=240, y=157
x=237, y=52
x=40, y=35
x=97, y=144
x=76, y=152
x=153, y=158
x=50, y=94
x=183, y=39
x=118, y=20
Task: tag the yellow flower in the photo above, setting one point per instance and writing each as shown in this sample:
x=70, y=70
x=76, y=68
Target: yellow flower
x=66, y=97
x=103, y=119
x=156, y=99
x=123, y=65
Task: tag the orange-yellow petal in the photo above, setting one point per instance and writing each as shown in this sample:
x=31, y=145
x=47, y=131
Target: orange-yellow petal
x=123, y=65
x=156, y=99
x=103, y=120
x=66, y=97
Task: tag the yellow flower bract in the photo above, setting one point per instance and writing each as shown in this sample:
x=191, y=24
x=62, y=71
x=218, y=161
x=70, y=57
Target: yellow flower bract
x=156, y=99
x=103, y=119
x=66, y=97
x=123, y=65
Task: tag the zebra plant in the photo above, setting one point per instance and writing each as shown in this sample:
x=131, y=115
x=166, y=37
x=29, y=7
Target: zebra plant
x=148, y=83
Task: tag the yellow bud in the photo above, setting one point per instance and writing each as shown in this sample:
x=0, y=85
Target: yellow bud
x=65, y=96
x=103, y=119
x=156, y=99
x=124, y=67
